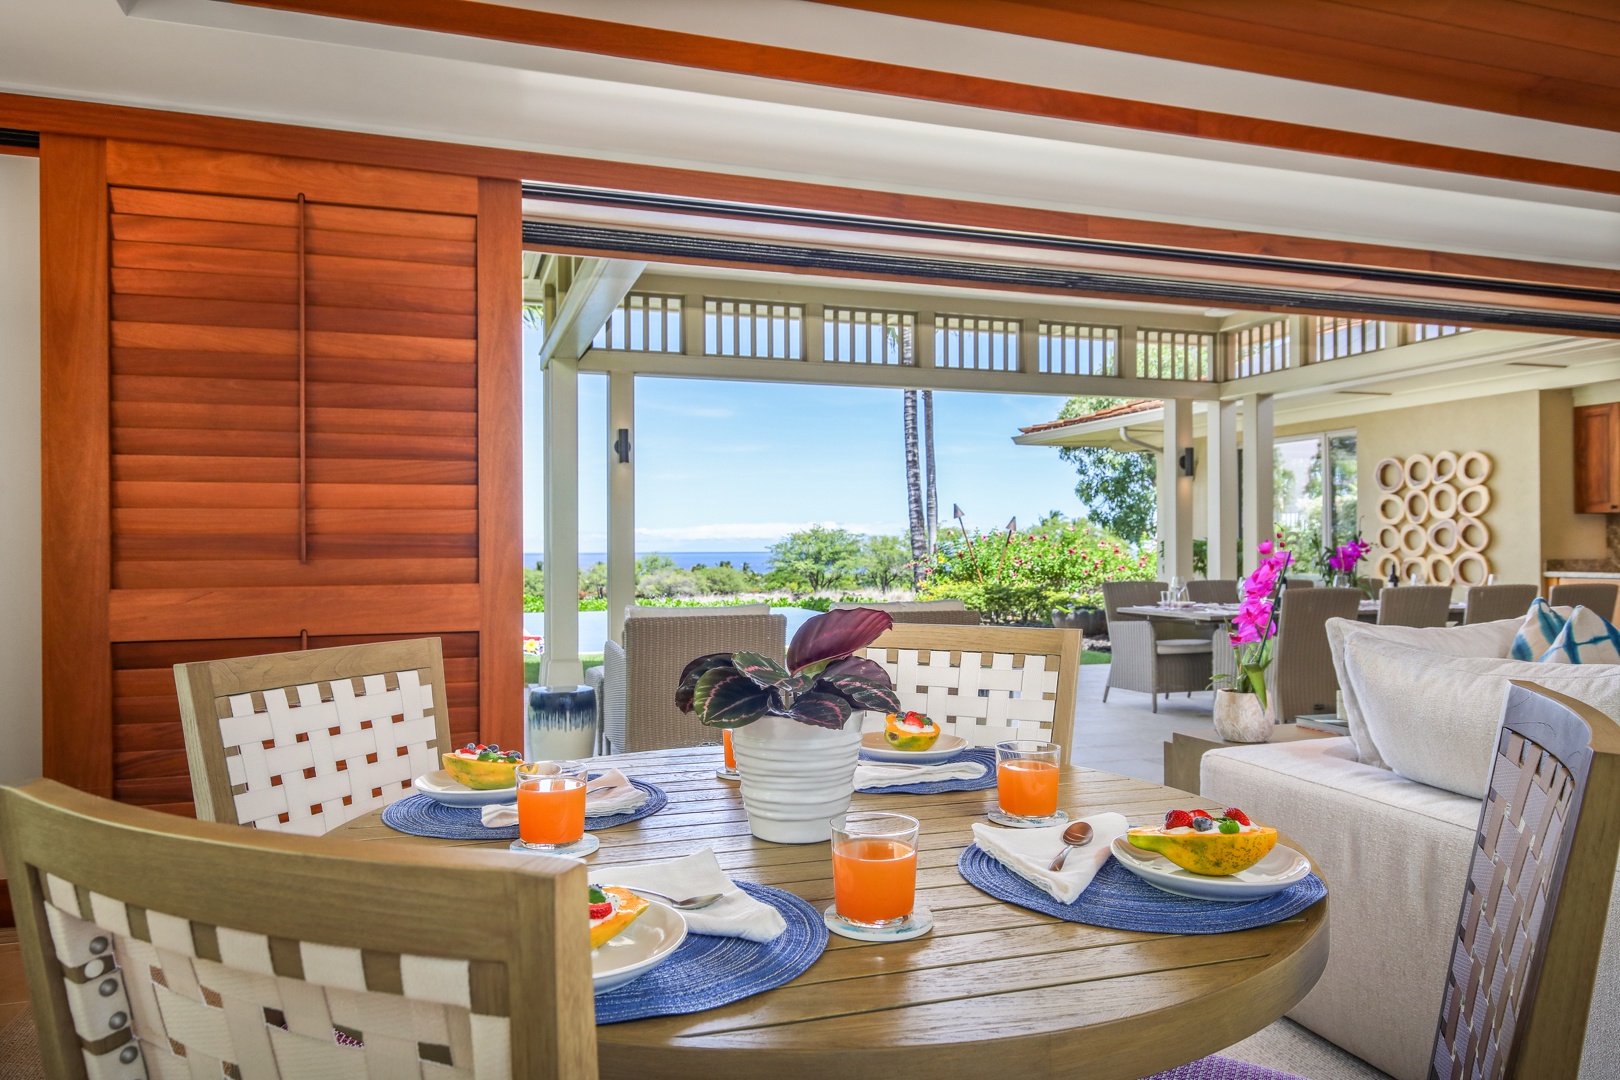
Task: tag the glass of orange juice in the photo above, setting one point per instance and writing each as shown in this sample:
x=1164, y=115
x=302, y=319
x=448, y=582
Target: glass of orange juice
x=1027, y=784
x=874, y=859
x=551, y=809
x=729, y=770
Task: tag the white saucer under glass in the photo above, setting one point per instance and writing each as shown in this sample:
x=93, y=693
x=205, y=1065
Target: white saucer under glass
x=577, y=850
x=915, y=925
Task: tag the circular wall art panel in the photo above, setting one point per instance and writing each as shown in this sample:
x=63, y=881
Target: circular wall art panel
x=1443, y=500
x=1443, y=536
x=1417, y=507
x=1389, y=537
x=1445, y=467
x=1414, y=539
x=1441, y=572
x=1391, y=509
x=1384, y=563
x=1417, y=568
x=1473, y=468
x=1473, y=502
x=1419, y=472
x=1389, y=474
x=1429, y=511
x=1470, y=568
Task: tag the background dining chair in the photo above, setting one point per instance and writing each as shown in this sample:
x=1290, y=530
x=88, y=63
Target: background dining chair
x=952, y=612
x=984, y=683
x=305, y=741
x=1153, y=657
x=1518, y=989
x=1490, y=603
x=1302, y=676
x=1598, y=596
x=1213, y=591
x=154, y=945
x=1415, y=605
x=658, y=646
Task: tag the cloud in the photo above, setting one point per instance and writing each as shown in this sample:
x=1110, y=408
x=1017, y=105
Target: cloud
x=753, y=530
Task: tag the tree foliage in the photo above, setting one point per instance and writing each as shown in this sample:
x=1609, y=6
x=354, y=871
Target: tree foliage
x=815, y=558
x=884, y=562
x=1116, y=487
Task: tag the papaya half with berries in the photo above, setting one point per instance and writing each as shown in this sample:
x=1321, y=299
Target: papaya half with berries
x=483, y=767
x=612, y=910
x=913, y=731
x=1197, y=841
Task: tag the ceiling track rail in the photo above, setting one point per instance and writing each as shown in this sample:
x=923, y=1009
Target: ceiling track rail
x=1047, y=242
x=19, y=137
x=655, y=245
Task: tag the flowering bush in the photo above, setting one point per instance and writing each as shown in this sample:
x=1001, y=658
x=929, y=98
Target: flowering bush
x=1021, y=577
x=1253, y=629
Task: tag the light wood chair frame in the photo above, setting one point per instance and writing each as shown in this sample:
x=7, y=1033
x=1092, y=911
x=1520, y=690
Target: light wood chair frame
x=1061, y=648
x=202, y=686
x=529, y=933
x=946, y=612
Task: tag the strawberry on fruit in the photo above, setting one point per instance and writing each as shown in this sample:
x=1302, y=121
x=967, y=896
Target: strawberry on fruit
x=1238, y=816
x=1200, y=813
x=1178, y=819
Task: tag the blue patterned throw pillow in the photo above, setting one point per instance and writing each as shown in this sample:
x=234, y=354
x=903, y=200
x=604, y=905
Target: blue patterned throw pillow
x=1542, y=624
x=1587, y=638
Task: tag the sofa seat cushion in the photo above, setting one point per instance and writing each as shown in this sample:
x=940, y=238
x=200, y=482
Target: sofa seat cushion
x=1492, y=639
x=1434, y=718
x=1394, y=855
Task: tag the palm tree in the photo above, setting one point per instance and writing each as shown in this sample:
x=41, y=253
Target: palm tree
x=928, y=467
x=914, y=487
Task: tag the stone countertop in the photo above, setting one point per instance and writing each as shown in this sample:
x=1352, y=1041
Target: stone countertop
x=1581, y=575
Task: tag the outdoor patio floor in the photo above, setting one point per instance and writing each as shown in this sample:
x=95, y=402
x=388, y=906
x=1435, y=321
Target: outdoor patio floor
x=1125, y=735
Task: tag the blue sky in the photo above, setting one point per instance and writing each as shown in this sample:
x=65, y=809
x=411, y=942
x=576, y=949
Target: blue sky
x=734, y=466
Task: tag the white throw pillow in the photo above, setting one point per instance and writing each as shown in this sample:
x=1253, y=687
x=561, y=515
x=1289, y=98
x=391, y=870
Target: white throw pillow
x=1491, y=639
x=1539, y=629
x=1434, y=718
x=1587, y=638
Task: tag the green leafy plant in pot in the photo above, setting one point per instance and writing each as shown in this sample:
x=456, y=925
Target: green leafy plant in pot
x=793, y=743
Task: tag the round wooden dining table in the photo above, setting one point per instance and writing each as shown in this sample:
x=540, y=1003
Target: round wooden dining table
x=994, y=990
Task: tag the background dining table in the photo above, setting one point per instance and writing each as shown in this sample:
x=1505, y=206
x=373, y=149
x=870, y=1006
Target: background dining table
x=994, y=989
x=1220, y=613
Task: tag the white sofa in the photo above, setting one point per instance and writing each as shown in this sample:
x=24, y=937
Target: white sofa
x=1394, y=851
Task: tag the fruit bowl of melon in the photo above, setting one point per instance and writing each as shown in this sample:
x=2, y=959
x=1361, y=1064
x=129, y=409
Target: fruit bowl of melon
x=1223, y=856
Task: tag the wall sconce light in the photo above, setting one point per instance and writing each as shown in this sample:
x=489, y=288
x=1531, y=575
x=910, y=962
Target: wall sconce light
x=1188, y=462
x=621, y=446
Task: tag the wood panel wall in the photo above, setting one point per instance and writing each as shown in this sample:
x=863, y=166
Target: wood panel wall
x=282, y=411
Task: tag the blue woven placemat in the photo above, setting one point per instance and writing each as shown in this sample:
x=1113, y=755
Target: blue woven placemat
x=984, y=754
x=707, y=972
x=1119, y=900
x=422, y=816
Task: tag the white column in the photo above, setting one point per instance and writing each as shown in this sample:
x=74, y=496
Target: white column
x=560, y=666
x=1258, y=466
x=621, y=500
x=1175, y=490
x=1220, y=467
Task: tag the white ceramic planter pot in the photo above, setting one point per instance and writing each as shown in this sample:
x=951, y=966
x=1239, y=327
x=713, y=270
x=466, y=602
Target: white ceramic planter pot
x=1239, y=718
x=795, y=778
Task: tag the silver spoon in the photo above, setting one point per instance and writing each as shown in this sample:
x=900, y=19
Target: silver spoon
x=1076, y=835
x=689, y=904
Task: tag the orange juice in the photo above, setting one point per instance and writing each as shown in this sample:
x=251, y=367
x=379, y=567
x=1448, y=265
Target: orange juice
x=1027, y=788
x=874, y=880
x=551, y=810
x=731, y=758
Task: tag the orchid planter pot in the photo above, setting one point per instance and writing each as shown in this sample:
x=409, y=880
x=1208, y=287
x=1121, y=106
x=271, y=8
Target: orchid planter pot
x=1239, y=718
x=796, y=778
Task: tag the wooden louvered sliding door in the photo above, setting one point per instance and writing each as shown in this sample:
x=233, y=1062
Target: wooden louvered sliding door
x=312, y=438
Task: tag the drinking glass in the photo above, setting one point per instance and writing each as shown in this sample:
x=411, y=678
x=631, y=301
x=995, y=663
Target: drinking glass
x=551, y=805
x=1178, y=590
x=874, y=860
x=1027, y=784
x=729, y=770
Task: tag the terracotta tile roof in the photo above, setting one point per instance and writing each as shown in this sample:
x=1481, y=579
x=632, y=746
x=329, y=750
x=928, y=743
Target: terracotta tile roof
x=1123, y=409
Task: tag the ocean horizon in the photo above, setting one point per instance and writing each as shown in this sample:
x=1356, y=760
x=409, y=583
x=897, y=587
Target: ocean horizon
x=759, y=561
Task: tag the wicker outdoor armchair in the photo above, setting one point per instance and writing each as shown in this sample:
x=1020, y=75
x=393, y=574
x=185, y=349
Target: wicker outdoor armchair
x=1489, y=603
x=1302, y=676
x=950, y=612
x=1152, y=657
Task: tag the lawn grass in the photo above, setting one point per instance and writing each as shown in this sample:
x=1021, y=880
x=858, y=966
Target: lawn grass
x=531, y=666
x=1092, y=656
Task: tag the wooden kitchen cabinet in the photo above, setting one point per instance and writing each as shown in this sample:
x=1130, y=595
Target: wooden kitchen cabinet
x=1597, y=458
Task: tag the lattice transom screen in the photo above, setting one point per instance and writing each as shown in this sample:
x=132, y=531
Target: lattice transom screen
x=155, y=995
x=305, y=759
x=1515, y=853
x=985, y=698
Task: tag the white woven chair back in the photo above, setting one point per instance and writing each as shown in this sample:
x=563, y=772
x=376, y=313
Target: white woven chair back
x=158, y=996
x=985, y=697
x=306, y=759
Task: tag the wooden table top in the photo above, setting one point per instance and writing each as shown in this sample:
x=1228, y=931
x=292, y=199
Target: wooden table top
x=995, y=989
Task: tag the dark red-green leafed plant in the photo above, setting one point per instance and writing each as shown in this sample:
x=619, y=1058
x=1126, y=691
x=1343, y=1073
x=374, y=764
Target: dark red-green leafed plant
x=821, y=684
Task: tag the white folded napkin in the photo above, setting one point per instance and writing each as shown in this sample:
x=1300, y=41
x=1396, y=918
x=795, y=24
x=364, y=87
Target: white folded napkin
x=872, y=774
x=735, y=914
x=1028, y=853
x=620, y=796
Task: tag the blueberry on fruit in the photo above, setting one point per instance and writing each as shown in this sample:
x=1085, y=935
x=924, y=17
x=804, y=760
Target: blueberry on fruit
x=1229, y=826
x=1203, y=824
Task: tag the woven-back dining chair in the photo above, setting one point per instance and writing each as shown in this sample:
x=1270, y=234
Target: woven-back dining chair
x=157, y=946
x=1415, y=605
x=1491, y=603
x=1153, y=656
x=987, y=684
x=1213, y=590
x=1302, y=674
x=305, y=741
x=1524, y=959
x=950, y=612
x=1598, y=596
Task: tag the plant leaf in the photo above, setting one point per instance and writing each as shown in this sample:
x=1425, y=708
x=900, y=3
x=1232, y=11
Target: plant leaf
x=836, y=634
x=725, y=697
x=863, y=693
x=762, y=669
x=858, y=665
x=820, y=710
x=694, y=671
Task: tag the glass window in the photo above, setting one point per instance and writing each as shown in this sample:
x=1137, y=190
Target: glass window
x=1346, y=521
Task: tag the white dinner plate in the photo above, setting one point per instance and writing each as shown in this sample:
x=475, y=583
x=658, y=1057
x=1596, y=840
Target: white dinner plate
x=875, y=748
x=439, y=786
x=1282, y=867
x=644, y=944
